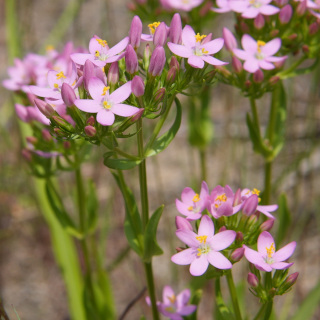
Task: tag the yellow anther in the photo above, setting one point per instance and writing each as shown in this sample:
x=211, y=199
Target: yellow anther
x=153, y=26
x=60, y=75
x=56, y=86
x=199, y=37
x=255, y=191
x=97, y=54
x=170, y=309
x=202, y=239
x=260, y=44
x=172, y=299
x=190, y=208
x=49, y=47
x=105, y=89
x=196, y=198
x=74, y=82
x=204, y=51
x=220, y=199
x=199, y=252
x=270, y=250
x=102, y=42
x=106, y=105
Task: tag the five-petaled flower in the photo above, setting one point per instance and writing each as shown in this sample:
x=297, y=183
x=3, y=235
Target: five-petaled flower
x=267, y=258
x=251, y=8
x=204, y=247
x=196, y=49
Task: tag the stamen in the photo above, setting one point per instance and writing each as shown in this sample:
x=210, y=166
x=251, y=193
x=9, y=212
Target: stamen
x=204, y=51
x=60, y=75
x=270, y=250
x=172, y=299
x=259, y=45
x=103, y=43
x=202, y=239
x=257, y=192
x=170, y=309
x=203, y=250
x=153, y=26
x=196, y=198
x=220, y=199
x=199, y=37
x=49, y=47
x=56, y=86
x=106, y=105
x=97, y=54
x=190, y=208
x=105, y=89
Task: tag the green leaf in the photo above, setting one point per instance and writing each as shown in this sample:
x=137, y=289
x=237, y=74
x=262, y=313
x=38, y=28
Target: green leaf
x=92, y=208
x=151, y=247
x=120, y=164
x=195, y=300
x=162, y=142
x=309, y=305
x=284, y=218
x=60, y=213
x=132, y=224
x=222, y=311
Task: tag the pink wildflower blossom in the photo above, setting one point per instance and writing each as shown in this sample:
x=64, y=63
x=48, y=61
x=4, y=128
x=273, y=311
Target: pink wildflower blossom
x=192, y=203
x=258, y=54
x=184, y=5
x=224, y=5
x=174, y=307
x=196, y=50
x=267, y=258
x=312, y=6
x=251, y=8
x=106, y=105
x=204, y=247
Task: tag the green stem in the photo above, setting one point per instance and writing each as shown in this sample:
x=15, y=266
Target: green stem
x=145, y=216
x=267, y=182
x=202, y=153
x=233, y=294
x=260, y=312
x=268, y=311
x=294, y=66
x=255, y=115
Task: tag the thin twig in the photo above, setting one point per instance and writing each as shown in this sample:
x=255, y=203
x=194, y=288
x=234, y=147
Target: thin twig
x=132, y=303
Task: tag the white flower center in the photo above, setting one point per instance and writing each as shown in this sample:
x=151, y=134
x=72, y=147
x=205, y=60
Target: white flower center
x=255, y=3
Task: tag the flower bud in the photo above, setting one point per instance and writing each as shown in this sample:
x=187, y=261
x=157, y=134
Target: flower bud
x=44, y=108
x=90, y=131
x=236, y=64
x=239, y=237
x=237, y=198
x=292, y=278
x=58, y=132
x=113, y=73
x=274, y=33
x=207, y=39
x=258, y=76
x=63, y=123
x=137, y=115
x=230, y=41
x=68, y=95
x=175, y=31
x=226, y=73
x=244, y=27
x=160, y=35
x=32, y=140
x=205, y=9
x=293, y=36
x=91, y=121
x=157, y=61
x=237, y=254
x=158, y=97
x=137, y=86
x=171, y=75
x=208, y=77
x=135, y=32
x=259, y=21
x=267, y=225
x=285, y=14
x=26, y=153
x=301, y=8
x=183, y=224
x=313, y=28
x=305, y=49
x=247, y=84
x=223, y=228
x=46, y=135
x=131, y=60
x=273, y=80
x=179, y=249
x=67, y=144
x=250, y=205
x=174, y=63
x=146, y=57
x=253, y=280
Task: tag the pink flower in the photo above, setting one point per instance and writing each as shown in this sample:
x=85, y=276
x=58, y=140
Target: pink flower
x=106, y=105
x=251, y=8
x=196, y=50
x=100, y=53
x=258, y=54
x=174, y=307
x=204, y=248
x=267, y=258
x=311, y=6
x=224, y=5
x=184, y=5
x=192, y=203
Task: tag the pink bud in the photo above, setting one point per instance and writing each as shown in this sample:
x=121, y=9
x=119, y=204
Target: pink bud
x=237, y=198
x=236, y=64
x=258, y=76
x=301, y=8
x=223, y=228
x=131, y=60
x=183, y=224
x=274, y=33
x=292, y=278
x=250, y=205
x=158, y=97
x=171, y=75
x=88, y=72
x=91, y=121
x=137, y=86
x=267, y=225
x=230, y=41
x=285, y=14
x=237, y=254
x=146, y=56
x=253, y=280
x=67, y=144
x=137, y=115
x=26, y=153
x=248, y=84
x=46, y=135
x=175, y=31
x=273, y=80
x=113, y=73
x=313, y=28
x=160, y=35
x=32, y=140
x=259, y=21
x=205, y=9
x=135, y=32
x=67, y=94
x=305, y=48
x=244, y=27
x=174, y=63
x=157, y=61
x=44, y=108
x=239, y=236
x=90, y=131
x=207, y=39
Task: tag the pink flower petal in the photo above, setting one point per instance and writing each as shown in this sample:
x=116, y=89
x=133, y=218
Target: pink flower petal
x=184, y=257
x=124, y=110
x=218, y=260
x=222, y=240
x=213, y=46
x=105, y=117
x=187, y=196
x=120, y=46
x=250, y=13
x=81, y=58
x=265, y=212
x=186, y=310
x=256, y=258
x=281, y=265
x=199, y=265
x=271, y=47
x=180, y=50
x=285, y=252
x=206, y=227
x=269, y=10
x=183, y=297
x=188, y=37
x=167, y=293
x=87, y=105
x=249, y=44
x=266, y=65
x=196, y=62
x=95, y=88
x=188, y=237
x=213, y=61
x=182, y=207
x=265, y=241
x=121, y=94
x=241, y=54
x=251, y=65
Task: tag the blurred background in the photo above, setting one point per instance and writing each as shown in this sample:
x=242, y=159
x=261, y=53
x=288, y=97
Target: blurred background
x=30, y=281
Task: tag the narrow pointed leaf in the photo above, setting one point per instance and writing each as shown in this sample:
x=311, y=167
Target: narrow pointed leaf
x=92, y=208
